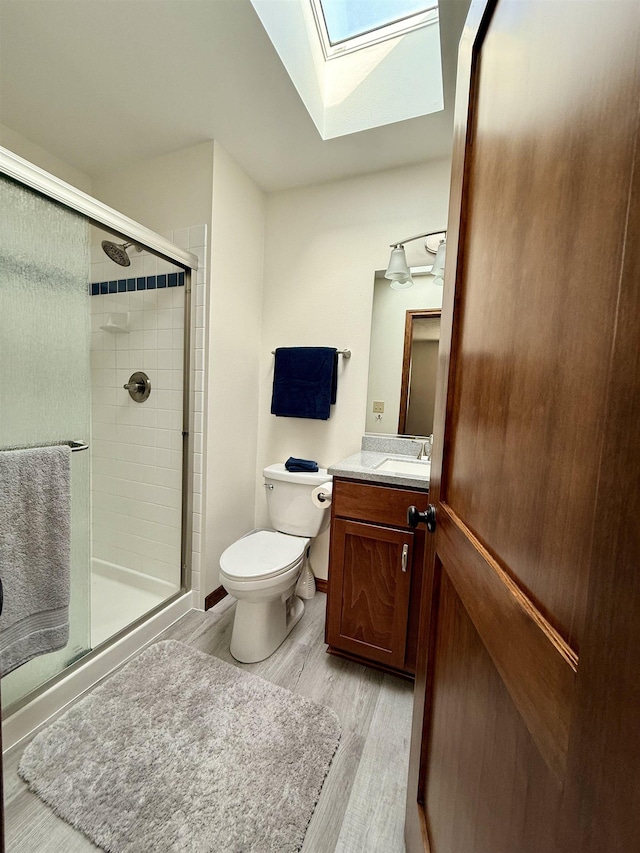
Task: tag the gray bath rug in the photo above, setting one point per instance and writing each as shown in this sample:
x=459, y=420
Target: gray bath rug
x=179, y=751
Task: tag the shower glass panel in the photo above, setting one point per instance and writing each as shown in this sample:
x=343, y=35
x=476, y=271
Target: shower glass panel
x=137, y=321
x=45, y=377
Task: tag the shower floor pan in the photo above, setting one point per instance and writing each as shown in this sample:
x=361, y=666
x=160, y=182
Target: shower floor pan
x=119, y=596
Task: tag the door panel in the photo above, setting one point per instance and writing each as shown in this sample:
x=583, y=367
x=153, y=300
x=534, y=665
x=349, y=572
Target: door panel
x=490, y=806
x=544, y=164
x=537, y=667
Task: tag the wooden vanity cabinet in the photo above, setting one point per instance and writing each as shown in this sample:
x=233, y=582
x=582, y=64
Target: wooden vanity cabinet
x=375, y=575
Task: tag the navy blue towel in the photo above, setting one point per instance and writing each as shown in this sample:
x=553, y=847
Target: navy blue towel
x=305, y=382
x=293, y=464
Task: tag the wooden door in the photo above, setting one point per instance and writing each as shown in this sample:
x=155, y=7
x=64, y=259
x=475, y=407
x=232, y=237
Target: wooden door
x=370, y=580
x=526, y=734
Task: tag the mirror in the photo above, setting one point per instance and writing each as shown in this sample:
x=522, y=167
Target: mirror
x=391, y=360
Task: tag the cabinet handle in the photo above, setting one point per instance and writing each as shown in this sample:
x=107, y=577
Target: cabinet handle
x=405, y=557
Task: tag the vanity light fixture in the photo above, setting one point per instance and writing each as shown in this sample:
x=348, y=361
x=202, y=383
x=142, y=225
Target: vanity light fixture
x=398, y=269
x=437, y=269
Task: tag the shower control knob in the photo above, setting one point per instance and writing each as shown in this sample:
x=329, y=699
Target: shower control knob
x=138, y=386
x=415, y=517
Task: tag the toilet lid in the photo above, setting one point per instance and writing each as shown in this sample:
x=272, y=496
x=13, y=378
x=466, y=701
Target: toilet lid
x=262, y=554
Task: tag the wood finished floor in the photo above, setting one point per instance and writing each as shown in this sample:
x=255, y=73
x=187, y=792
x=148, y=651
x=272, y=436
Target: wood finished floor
x=361, y=808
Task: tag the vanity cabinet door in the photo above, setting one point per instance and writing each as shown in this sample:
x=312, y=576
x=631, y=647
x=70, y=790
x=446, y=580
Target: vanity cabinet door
x=369, y=591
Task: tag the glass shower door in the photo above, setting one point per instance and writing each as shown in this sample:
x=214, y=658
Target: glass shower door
x=45, y=378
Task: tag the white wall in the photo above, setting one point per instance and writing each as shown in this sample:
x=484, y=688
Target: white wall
x=233, y=359
x=323, y=246
x=164, y=193
x=44, y=159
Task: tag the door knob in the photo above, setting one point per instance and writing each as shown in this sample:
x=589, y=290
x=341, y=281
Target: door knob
x=415, y=517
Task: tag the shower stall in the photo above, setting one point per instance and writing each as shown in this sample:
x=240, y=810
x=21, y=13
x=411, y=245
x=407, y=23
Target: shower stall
x=95, y=334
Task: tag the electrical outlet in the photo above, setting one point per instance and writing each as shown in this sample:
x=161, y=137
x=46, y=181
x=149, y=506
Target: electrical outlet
x=378, y=407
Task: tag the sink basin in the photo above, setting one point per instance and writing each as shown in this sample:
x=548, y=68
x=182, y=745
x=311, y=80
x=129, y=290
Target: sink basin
x=406, y=466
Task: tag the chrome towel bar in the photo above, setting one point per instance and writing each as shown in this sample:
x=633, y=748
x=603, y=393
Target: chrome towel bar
x=345, y=353
x=74, y=445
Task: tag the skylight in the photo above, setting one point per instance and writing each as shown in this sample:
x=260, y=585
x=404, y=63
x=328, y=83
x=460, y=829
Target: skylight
x=348, y=18
x=381, y=65
x=346, y=25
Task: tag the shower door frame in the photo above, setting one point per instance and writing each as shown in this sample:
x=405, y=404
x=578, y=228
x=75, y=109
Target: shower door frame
x=107, y=218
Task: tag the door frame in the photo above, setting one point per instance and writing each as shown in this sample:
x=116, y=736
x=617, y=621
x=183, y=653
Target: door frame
x=412, y=314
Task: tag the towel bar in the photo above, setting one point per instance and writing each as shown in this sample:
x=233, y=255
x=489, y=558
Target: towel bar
x=74, y=445
x=345, y=353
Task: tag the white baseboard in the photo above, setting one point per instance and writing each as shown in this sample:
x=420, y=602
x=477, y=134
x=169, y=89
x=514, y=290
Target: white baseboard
x=53, y=700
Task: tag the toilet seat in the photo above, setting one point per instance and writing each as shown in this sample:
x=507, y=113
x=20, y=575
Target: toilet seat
x=263, y=554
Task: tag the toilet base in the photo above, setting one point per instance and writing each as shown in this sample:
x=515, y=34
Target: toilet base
x=260, y=627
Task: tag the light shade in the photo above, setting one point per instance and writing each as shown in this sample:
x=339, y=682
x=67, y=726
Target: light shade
x=403, y=284
x=438, y=263
x=398, y=270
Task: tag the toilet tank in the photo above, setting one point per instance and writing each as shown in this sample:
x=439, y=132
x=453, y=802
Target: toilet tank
x=289, y=501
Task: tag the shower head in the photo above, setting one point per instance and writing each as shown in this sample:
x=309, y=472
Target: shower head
x=118, y=252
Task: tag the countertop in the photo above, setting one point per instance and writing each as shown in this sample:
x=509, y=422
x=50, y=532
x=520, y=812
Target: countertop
x=362, y=466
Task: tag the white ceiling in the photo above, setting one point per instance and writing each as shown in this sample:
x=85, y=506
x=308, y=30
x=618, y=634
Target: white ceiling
x=104, y=83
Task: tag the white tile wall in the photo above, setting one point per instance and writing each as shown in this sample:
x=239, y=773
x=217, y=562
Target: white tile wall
x=136, y=447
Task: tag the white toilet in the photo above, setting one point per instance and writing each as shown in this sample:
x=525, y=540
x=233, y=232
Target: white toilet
x=261, y=569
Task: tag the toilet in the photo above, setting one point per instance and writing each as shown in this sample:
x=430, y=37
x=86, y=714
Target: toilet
x=262, y=568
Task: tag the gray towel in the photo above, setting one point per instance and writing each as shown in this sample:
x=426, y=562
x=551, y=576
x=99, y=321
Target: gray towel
x=35, y=552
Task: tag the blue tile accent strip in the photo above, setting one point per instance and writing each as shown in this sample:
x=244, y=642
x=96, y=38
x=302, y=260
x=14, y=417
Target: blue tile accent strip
x=125, y=285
